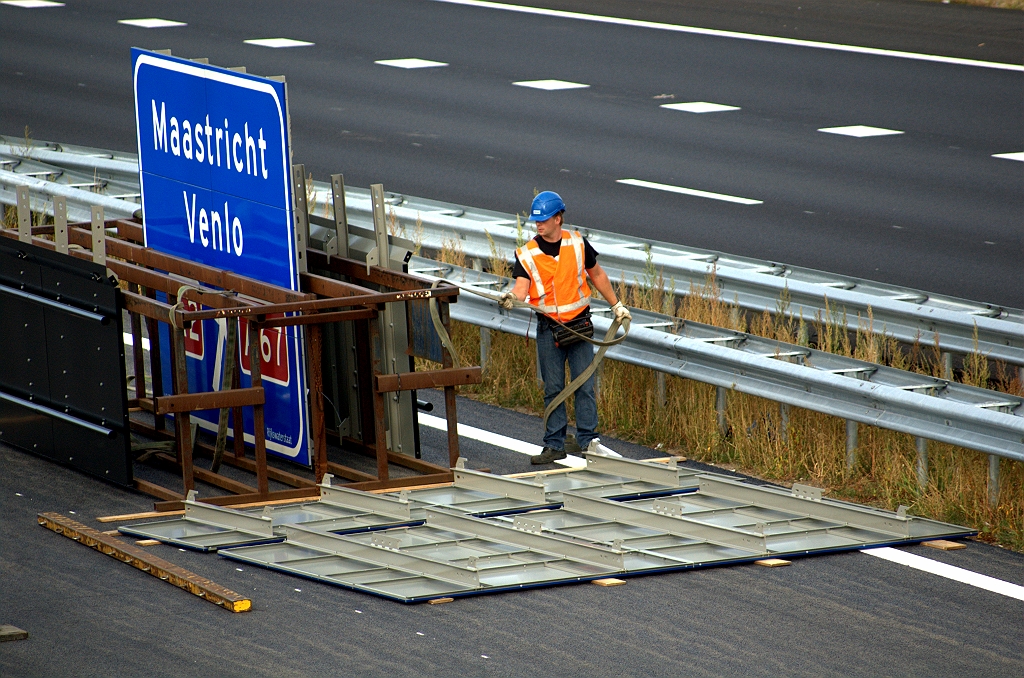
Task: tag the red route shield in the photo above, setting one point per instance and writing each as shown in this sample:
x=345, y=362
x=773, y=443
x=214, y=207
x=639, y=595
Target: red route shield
x=274, y=364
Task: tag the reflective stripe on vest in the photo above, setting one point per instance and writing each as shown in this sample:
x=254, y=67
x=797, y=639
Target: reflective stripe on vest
x=558, y=286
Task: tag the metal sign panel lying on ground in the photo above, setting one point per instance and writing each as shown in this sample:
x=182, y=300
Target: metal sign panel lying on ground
x=453, y=554
x=214, y=167
x=341, y=510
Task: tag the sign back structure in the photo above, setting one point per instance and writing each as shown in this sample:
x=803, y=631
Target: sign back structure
x=214, y=168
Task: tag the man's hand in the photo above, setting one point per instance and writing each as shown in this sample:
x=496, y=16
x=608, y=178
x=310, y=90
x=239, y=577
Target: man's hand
x=507, y=301
x=620, y=312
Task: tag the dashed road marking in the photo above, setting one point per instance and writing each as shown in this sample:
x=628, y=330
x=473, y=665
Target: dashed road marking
x=700, y=107
x=277, y=43
x=860, y=131
x=982, y=581
x=1010, y=156
x=410, y=63
x=32, y=4
x=152, y=23
x=550, y=84
x=795, y=42
x=689, y=191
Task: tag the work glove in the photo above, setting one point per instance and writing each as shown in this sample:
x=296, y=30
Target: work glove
x=620, y=312
x=507, y=301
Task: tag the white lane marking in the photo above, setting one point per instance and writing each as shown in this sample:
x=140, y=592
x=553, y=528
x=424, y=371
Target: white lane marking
x=700, y=107
x=31, y=4
x=982, y=581
x=550, y=84
x=497, y=440
x=152, y=23
x=860, y=131
x=130, y=341
x=688, y=191
x=1010, y=156
x=277, y=43
x=410, y=63
x=637, y=23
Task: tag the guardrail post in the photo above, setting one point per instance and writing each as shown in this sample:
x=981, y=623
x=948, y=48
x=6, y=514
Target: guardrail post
x=60, y=223
x=662, y=391
x=993, y=481
x=485, y=347
x=24, y=215
x=784, y=422
x=851, y=444
x=720, y=403
x=947, y=365
x=99, y=237
x=922, y=463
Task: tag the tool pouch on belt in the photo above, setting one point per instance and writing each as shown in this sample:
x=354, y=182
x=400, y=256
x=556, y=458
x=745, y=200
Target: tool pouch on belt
x=581, y=324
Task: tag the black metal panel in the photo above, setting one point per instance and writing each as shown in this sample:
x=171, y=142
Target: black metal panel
x=62, y=347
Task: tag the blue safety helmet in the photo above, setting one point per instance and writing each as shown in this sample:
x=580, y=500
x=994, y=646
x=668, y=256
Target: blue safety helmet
x=546, y=205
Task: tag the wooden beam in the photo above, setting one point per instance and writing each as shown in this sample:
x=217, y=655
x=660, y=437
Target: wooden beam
x=412, y=381
x=238, y=499
x=399, y=483
x=212, y=400
x=147, y=562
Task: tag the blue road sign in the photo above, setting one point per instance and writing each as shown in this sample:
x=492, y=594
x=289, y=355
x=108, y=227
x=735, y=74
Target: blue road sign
x=214, y=165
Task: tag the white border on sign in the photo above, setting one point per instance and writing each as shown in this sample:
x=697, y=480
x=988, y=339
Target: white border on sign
x=230, y=79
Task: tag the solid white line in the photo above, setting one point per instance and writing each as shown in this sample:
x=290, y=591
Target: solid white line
x=959, y=574
x=497, y=440
x=688, y=191
x=735, y=35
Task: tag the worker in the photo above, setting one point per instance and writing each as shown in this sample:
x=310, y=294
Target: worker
x=549, y=275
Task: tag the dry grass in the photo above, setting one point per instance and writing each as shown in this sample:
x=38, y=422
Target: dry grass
x=812, y=449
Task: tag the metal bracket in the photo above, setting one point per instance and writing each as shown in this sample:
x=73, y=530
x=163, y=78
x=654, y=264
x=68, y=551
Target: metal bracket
x=667, y=508
x=806, y=492
x=385, y=542
x=511, y=488
x=528, y=525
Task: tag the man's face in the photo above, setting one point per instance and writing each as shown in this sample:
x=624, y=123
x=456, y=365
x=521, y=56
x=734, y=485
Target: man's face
x=550, y=229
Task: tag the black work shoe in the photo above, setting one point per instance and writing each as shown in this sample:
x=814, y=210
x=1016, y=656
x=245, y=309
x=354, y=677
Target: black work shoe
x=572, y=447
x=547, y=455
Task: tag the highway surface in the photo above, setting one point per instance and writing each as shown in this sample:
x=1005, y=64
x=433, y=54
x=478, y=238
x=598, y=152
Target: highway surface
x=921, y=201
x=847, y=614
x=916, y=208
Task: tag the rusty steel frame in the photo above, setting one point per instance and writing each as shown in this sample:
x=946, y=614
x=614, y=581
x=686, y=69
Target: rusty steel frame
x=322, y=300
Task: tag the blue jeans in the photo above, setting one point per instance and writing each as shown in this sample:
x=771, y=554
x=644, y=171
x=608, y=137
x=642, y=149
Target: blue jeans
x=552, y=370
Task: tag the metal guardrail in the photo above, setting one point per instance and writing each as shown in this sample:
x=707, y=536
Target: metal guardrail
x=855, y=390
x=907, y=314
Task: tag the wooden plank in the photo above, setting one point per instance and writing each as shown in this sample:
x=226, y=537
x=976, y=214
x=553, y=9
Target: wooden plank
x=413, y=381
x=125, y=517
x=148, y=563
x=147, y=542
x=241, y=499
x=609, y=581
x=429, y=486
x=944, y=545
x=156, y=490
x=211, y=400
x=772, y=562
x=166, y=514
x=440, y=601
x=8, y=632
x=403, y=483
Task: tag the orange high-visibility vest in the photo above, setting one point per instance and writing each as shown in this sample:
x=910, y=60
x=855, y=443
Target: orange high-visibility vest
x=558, y=285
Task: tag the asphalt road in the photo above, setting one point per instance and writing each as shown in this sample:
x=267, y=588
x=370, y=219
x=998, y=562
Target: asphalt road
x=929, y=208
x=835, y=615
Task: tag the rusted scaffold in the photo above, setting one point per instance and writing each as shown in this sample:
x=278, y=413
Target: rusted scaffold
x=219, y=294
